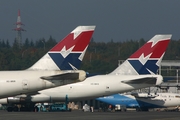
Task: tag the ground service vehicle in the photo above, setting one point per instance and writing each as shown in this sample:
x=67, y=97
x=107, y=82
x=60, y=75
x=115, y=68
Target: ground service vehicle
x=52, y=108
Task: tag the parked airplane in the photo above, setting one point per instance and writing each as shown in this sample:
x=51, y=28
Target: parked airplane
x=143, y=101
x=55, y=68
x=136, y=72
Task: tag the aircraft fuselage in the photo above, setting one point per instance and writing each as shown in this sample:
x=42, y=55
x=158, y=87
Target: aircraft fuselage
x=19, y=82
x=92, y=87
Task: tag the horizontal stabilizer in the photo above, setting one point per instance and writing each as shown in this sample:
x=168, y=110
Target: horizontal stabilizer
x=147, y=80
x=66, y=76
x=80, y=76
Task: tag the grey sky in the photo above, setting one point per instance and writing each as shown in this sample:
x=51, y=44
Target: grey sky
x=119, y=20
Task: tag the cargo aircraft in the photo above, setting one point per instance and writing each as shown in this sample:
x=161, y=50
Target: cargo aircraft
x=57, y=67
x=138, y=71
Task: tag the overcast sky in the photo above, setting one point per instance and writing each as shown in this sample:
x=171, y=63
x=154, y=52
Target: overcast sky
x=119, y=20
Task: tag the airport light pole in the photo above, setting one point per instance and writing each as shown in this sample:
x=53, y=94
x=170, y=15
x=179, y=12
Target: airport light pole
x=177, y=79
x=177, y=75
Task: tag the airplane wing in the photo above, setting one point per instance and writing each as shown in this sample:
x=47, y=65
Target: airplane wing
x=146, y=80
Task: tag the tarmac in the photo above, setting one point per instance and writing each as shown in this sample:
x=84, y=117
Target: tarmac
x=80, y=115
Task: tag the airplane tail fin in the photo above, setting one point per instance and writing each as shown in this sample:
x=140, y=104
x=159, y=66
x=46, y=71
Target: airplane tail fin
x=147, y=59
x=68, y=53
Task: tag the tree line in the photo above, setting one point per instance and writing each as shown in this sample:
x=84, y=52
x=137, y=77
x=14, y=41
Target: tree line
x=100, y=57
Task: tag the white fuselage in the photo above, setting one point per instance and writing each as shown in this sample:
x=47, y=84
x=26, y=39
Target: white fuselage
x=92, y=87
x=161, y=100
x=18, y=82
x=143, y=100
